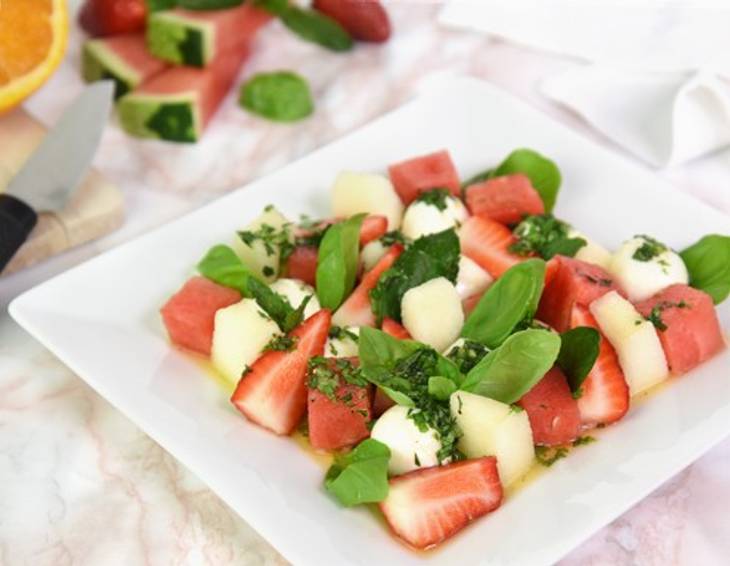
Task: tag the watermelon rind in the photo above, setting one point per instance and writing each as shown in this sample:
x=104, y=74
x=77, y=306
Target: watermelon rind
x=161, y=116
x=182, y=40
x=98, y=62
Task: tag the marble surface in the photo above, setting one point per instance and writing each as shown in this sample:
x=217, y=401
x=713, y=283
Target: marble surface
x=82, y=485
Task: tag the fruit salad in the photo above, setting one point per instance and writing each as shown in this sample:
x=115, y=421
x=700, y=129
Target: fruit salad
x=441, y=338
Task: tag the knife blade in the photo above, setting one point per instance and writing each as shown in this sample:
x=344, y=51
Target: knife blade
x=53, y=171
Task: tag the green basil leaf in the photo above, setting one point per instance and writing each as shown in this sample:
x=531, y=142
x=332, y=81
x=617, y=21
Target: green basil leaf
x=159, y=5
x=429, y=257
x=337, y=261
x=467, y=355
x=360, y=476
x=208, y=4
x=398, y=397
x=510, y=300
x=578, y=353
x=566, y=246
x=708, y=263
x=275, y=7
x=543, y=173
x=314, y=26
x=447, y=368
x=511, y=370
x=378, y=348
x=440, y=387
x=282, y=96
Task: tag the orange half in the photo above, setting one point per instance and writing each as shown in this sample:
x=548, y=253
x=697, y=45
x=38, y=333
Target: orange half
x=33, y=36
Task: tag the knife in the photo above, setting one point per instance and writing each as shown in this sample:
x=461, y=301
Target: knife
x=53, y=172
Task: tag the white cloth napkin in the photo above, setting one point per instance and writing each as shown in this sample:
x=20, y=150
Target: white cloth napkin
x=653, y=87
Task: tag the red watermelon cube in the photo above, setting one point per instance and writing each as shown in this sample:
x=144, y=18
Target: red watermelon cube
x=552, y=410
x=687, y=325
x=190, y=313
x=302, y=264
x=506, y=199
x=338, y=419
x=433, y=171
x=571, y=282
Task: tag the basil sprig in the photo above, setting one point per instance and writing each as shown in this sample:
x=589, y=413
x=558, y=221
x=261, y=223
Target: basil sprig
x=508, y=302
x=708, y=263
x=361, y=476
x=337, y=261
x=222, y=265
x=511, y=370
x=579, y=348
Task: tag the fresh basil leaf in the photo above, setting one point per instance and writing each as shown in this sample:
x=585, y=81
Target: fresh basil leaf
x=208, y=4
x=314, y=26
x=578, y=353
x=447, y=368
x=511, y=370
x=337, y=261
x=543, y=173
x=222, y=265
x=275, y=7
x=468, y=354
x=378, y=348
x=441, y=387
x=360, y=476
x=398, y=397
x=509, y=301
x=429, y=257
x=282, y=96
x=566, y=246
x=708, y=263
x=159, y=5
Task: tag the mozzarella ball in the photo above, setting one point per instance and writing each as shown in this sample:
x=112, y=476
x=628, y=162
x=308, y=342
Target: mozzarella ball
x=295, y=291
x=592, y=252
x=423, y=218
x=472, y=279
x=371, y=254
x=353, y=193
x=343, y=346
x=644, y=266
x=410, y=448
x=432, y=313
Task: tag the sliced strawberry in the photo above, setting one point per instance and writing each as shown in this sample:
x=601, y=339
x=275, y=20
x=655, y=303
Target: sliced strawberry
x=604, y=395
x=341, y=419
x=571, y=282
x=487, y=243
x=552, y=266
x=302, y=264
x=356, y=311
x=372, y=228
x=688, y=326
x=433, y=171
x=395, y=329
x=366, y=20
x=425, y=507
x=506, y=199
x=381, y=402
x=553, y=413
x=273, y=394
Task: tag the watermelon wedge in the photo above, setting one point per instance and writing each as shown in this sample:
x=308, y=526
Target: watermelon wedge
x=121, y=58
x=177, y=104
x=423, y=173
x=506, y=199
x=196, y=38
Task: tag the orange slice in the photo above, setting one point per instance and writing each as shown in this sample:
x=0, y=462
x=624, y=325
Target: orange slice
x=33, y=35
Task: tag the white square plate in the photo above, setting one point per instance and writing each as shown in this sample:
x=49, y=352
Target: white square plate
x=101, y=320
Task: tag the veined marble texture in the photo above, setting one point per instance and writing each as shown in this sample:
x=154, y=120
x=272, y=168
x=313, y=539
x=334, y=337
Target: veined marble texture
x=81, y=485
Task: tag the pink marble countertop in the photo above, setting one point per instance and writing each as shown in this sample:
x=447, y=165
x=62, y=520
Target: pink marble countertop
x=81, y=484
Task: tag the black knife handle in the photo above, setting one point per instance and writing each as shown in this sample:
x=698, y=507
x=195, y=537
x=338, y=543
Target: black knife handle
x=17, y=220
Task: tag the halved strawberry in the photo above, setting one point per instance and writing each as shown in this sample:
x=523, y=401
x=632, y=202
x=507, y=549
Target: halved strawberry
x=423, y=173
x=571, y=282
x=273, y=394
x=395, y=329
x=338, y=418
x=604, y=395
x=425, y=507
x=372, y=228
x=506, y=199
x=302, y=264
x=487, y=242
x=356, y=311
x=553, y=413
x=366, y=20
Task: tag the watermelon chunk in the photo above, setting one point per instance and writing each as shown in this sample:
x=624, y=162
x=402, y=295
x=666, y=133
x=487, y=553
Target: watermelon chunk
x=302, y=264
x=196, y=38
x=177, y=104
x=687, y=325
x=571, y=282
x=433, y=171
x=487, y=242
x=554, y=415
x=506, y=199
x=121, y=58
x=190, y=313
x=341, y=419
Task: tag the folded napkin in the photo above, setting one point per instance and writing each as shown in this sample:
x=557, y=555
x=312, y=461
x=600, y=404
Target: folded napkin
x=654, y=85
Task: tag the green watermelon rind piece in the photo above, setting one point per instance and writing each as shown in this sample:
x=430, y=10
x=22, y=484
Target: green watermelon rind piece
x=179, y=39
x=98, y=62
x=170, y=117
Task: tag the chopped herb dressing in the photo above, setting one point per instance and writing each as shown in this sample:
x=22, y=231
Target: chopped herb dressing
x=545, y=236
x=655, y=316
x=281, y=343
x=435, y=197
x=272, y=239
x=467, y=355
x=548, y=455
x=649, y=249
